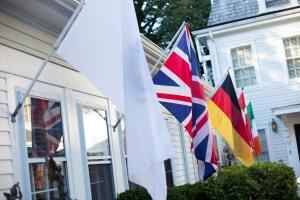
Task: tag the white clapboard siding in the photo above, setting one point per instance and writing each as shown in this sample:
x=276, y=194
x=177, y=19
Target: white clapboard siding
x=177, y=162
x=273, y=89
x=6, y=169
x=190, y=158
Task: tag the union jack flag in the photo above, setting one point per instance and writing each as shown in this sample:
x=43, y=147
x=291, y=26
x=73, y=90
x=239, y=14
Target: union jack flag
x=47, y=130
x=180, y=90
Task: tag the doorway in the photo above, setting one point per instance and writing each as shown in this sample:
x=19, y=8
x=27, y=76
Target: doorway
x=297, y=134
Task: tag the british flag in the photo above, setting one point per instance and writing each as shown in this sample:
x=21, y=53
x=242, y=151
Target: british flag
x=180, y=90
x=47, y=130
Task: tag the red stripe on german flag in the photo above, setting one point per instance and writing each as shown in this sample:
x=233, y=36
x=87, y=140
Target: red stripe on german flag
x=226, y=117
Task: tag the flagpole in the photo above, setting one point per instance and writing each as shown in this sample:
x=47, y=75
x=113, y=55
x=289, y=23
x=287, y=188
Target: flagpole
x=47, y=58
x=168, y=47
x=220, y=82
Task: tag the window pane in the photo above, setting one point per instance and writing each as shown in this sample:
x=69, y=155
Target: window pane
x=292, y=73
x=294, y=42
x=246, y=72
x=273, y=3
x=95, y=132
x=44, y=130
x=239, y=83
x=238, y=73
x=297, y=63
x=234, y=58
x=253, y=81
x=296, y=51
x=101, y=182
x=264, y=146
x=286, y=42
x=169, y=176
x=48, y=180
x=288, y=53
x=242, y=57
x=248, y=56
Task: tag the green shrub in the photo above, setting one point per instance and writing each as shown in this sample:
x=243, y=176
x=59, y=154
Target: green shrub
x=275, y=181
x=136, y=194
x=235, y=183
x=262, y=181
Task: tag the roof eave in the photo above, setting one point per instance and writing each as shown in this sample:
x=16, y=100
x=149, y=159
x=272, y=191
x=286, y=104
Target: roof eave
x=248, y=22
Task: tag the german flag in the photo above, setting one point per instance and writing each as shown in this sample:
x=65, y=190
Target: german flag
x=226, y=117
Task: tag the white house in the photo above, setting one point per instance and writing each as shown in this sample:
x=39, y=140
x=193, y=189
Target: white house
x=259, y=42
x=82, y=141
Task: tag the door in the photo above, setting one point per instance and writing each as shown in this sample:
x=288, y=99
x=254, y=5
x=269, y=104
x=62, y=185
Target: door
x=297, y=135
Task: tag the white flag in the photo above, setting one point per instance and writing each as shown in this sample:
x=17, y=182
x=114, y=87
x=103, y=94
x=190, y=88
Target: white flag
x=104, y=44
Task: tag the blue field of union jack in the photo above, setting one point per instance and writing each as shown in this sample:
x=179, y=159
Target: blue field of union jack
x=179, y=90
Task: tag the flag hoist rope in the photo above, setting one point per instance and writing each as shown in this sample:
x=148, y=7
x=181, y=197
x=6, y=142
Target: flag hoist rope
x=47, y=58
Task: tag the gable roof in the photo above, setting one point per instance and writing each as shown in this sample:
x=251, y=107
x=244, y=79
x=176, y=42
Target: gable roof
x=230, y=10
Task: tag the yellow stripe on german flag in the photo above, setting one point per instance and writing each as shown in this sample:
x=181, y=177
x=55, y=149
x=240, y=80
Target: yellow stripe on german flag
x=226, y=117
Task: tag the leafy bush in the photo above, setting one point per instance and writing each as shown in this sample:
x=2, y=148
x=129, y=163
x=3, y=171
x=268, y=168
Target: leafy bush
x=262, y=181
x=274, y=181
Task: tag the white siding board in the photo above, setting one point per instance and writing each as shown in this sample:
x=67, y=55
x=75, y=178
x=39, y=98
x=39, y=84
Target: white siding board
x=4, y=110
x=3, y=85
x=177, y=160
x=3, y=96
x=6, y=181
x=5, y=167
x=4, y=124
x=5, y=153
x=5, y=138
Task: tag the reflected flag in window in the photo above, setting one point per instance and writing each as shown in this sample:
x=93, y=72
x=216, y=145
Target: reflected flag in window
x=47, y=130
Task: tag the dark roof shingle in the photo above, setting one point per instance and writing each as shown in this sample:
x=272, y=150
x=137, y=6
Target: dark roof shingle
x=230, y=10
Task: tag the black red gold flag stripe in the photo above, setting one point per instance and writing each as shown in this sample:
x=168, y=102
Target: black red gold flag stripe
x=226, y=117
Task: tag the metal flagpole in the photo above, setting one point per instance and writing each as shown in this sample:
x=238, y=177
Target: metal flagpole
x=220, y=82
x=47, y=58
x=168, y=47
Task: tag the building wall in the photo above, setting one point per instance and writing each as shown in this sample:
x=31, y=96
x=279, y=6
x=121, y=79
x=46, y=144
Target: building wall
x=22, y=48
x=6, y=138
x=274, y=89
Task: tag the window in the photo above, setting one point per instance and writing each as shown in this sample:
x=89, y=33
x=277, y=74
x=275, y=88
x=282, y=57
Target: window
x=244, y=71
x=264, y=146
x=292, y=53
x=274, y=3
x=98, y=153
x=169, y=176
x=45, y=149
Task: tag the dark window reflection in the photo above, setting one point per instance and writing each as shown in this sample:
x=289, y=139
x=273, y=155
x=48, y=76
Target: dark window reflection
x=101, y=182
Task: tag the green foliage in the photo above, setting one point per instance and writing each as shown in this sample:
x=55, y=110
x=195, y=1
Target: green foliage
x=160, y=19
x=137, y=194
x=274, y=181
x=262, y=181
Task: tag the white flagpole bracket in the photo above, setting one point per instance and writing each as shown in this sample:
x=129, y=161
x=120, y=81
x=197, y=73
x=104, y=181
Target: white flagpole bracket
x=168, y=47
x=117, y=123
x=47, y=58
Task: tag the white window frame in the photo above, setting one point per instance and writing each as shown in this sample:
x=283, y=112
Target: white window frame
x=254, y=63
x=22, y=149
x=268, y=138
x=263, y=8
x=285, y=65
x=86, y=162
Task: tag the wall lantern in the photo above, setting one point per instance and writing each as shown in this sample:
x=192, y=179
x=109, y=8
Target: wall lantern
x=274, y=126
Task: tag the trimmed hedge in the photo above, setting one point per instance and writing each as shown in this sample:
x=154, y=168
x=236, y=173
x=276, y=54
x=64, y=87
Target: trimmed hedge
x=262, y=181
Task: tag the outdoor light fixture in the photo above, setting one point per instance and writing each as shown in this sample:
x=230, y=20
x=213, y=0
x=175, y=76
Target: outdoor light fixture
x=274, y=126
